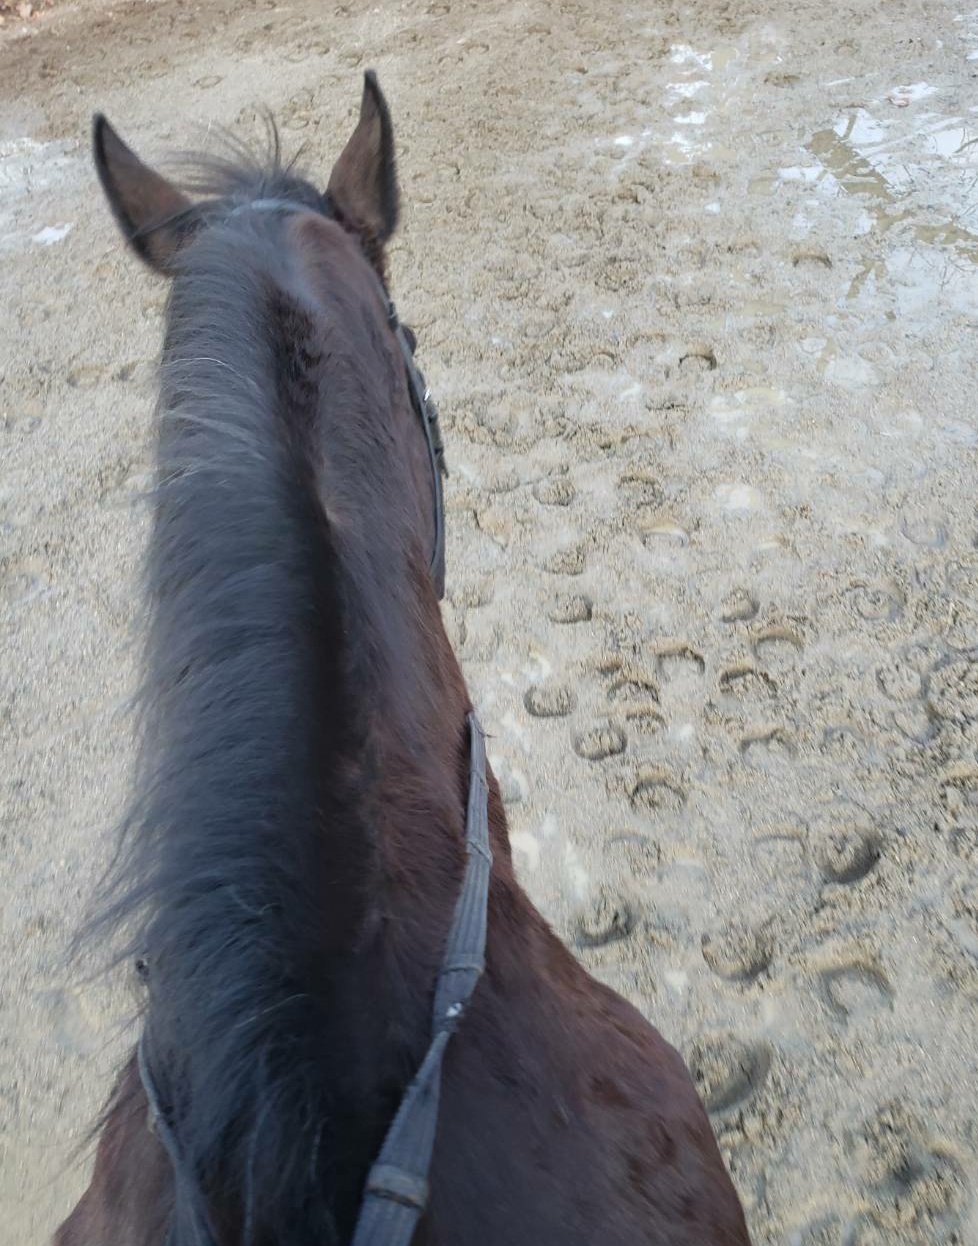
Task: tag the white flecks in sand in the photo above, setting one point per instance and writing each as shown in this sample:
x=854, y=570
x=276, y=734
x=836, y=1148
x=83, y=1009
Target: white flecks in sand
x=801, y=173
x=801, y=224
x=27, y=165
x=902, y=96
x=683, y=54
x=687, y=147
x=538, y=667
x=959, y=433
x=677, y=980
x=851, y=372
x=738, y=407
x=905, y=423
x=514, y=728
x=729, y=409
x=737, y=497
x=528, y=847
x=578, y=875
x=51, y=234
x=815, y=175
x=669, y=530
x=687, y=90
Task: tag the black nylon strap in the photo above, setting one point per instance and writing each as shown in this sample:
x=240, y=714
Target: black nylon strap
x=387, y=1217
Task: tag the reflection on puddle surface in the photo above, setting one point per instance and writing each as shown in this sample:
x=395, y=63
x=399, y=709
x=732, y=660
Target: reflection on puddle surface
x=859, y=156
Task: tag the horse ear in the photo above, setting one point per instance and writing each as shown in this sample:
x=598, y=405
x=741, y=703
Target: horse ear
x=155, y=217
x=363, y=183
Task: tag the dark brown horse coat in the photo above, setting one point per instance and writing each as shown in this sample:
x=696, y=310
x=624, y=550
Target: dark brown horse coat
x=295, y=846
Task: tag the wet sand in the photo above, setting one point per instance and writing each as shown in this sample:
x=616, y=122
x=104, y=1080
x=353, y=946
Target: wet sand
x=698, y=293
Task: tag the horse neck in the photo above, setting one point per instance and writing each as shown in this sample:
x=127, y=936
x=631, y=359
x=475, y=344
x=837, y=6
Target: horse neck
x=296, y=839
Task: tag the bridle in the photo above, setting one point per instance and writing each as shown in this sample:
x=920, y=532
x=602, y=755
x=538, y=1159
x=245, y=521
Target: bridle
x=427, y=413
x=396, y=1190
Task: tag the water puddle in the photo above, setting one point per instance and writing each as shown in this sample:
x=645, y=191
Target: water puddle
x=28, y=167
x=691, y=97
x=900, y=178
x=969, y=33
x=687, y=98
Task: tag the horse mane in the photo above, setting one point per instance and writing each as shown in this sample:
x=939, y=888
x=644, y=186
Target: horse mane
x=235, y=172
x=248, y=851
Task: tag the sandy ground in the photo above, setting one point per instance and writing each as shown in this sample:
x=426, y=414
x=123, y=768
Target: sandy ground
x=698, y=290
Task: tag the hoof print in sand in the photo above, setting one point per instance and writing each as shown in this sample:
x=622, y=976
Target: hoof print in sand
x=739, y=606
x=856, y=989
x=608, y=918
x=665, y=531
x=727, y=1070
x=777, y=644
x=898, y=680
x=644, y=719
x=876, y=603
x=926, y=531
x=846, y=854
x=918, y=1191
x=642, y=488
x=746, y=682
x=556, y=491
x=738, y=952
x=656, y=791
x=549, y=701
x=472, y=596
x=952, y=693
x=600, y=742
x=767, y=744
x=632, y=688
x=959, y=813
x=812, y=258
x=698, y=358
x=566, y=562
x=86, y=375
x=679, y=661
x=640, y=855
x=573, y=609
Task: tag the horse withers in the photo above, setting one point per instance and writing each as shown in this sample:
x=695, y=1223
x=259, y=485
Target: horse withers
x=294, y=860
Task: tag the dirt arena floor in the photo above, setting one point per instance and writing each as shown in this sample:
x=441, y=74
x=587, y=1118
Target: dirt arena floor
x=697, y=288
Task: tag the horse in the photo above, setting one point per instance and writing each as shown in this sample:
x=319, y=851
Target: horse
x=300, y=844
